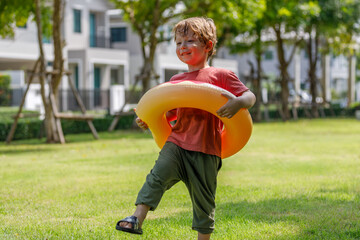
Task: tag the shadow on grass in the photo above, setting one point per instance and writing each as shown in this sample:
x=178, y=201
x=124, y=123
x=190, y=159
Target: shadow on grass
x=121, y=134
x=86, y=137
x=317, y=218
x=303, y=217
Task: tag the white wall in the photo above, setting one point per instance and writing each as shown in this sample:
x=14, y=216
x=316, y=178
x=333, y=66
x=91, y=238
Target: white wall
x=81, y=40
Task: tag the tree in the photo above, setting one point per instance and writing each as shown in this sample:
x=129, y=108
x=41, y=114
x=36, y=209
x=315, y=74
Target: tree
x=330, y=24
x=313, y=27
x=341, y=38
x=284, y=18
x=51, y=135
x=17, y=12
x=252, y=40
x=58, y=63
x=146, y=17
x=231, y=17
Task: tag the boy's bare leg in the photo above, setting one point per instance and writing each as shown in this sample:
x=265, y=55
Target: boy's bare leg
x=140, y=212
x=203, y=236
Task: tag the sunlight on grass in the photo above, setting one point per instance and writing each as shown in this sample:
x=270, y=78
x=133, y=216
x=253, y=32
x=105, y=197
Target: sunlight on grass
x=295, y=180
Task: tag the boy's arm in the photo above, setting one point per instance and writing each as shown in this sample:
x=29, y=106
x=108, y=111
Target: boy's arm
x=234, y=104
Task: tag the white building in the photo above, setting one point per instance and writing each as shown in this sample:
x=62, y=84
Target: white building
x=94, y=64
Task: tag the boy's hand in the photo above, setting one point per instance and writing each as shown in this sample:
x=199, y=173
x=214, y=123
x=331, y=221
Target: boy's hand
x=141, y=124
x=230, y=108
x=234, y=104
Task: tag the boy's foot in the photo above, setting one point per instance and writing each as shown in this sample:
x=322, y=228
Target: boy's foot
x=129, y=224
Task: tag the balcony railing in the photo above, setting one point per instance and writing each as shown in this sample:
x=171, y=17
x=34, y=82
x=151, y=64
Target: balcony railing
x=100, y=41
x=93, y=100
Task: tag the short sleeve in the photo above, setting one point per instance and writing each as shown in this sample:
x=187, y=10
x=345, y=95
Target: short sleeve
x=233, y=84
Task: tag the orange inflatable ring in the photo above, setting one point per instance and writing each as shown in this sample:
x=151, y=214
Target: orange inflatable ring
x=154, y=104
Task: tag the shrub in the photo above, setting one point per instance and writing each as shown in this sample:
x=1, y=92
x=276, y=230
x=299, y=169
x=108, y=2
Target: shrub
x=32, y=127
x=26, y=129
x=5, y=96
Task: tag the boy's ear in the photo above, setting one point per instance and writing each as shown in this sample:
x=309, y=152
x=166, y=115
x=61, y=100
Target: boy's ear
x=209, y=45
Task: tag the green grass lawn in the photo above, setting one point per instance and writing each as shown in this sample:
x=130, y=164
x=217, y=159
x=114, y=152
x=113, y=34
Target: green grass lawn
x=295, y=180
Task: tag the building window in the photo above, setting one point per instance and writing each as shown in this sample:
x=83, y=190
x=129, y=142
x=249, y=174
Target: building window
x=46, y=39
x=76, y=76
x=118, y=34
x=77, y=21
x=93, y=37
x=117, y=75
x=268, y=55
x=306, y=55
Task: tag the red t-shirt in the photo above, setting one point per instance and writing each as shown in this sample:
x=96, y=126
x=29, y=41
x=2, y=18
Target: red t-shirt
x=198, y=130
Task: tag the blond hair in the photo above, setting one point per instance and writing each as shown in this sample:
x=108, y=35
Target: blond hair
x=204, y=29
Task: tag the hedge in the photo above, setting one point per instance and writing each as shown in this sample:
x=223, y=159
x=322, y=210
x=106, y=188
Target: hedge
x=33, y=128
x=333, y=111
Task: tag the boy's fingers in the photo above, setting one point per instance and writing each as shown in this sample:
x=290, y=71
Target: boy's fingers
x=141, y=124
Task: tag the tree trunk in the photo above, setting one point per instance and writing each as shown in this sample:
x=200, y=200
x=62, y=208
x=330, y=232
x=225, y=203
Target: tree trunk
x=351, y=80
x=58, y=64
x=284, y=75
x=325, y=78
x=257, y=80
x=146, y=75
x=49, y=119
x=148, y=72
x=312, y=51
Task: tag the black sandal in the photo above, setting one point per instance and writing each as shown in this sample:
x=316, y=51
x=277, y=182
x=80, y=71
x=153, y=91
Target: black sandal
x=135, y=229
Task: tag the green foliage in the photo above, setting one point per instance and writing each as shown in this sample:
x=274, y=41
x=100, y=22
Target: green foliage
x=355, y=106
x=5, y=94
x=146, y=16
x=341, y=22
x=17, y=12
x=287, y=12
x=13, y=12
x=231, y=17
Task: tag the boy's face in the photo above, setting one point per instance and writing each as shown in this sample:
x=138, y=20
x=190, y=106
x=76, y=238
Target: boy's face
x=191, y=50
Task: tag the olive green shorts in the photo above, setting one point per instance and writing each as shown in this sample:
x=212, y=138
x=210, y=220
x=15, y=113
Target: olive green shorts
x=197, y=170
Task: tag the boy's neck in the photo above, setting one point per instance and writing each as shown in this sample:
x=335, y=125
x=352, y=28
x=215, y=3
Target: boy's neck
x=196, y=68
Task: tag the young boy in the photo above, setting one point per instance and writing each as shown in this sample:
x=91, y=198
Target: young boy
x=193, y=149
